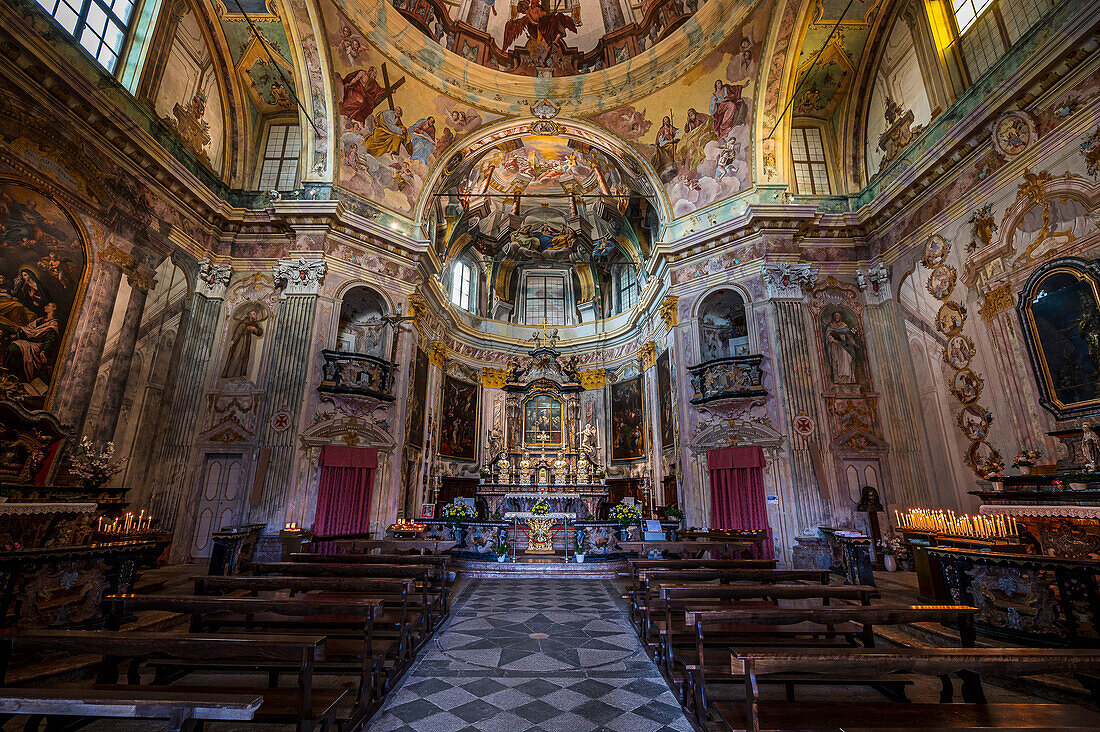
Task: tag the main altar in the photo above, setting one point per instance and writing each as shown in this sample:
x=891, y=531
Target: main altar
x=541, y=451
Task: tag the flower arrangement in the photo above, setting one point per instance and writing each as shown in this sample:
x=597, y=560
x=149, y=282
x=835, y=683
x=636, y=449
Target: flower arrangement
x=895, y=547
x=625, y=514
x=578, y=544
x=94, y=463
x=455, y=512
x=541, y=507
x=673, y=513
x=995, y=475
x=1026, y=458
x=501, y=549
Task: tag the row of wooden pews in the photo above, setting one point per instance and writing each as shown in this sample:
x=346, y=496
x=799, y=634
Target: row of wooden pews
x=315, y=643
x=724, y=631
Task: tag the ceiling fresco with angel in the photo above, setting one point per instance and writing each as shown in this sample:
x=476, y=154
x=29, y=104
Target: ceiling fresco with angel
x=546, y=38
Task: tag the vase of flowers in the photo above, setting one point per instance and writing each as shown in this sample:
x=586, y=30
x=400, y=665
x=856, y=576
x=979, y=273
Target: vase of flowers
x=94, y=463
x=996, y=479
x=578, y=548
x=501, y=550
x=895, y=553
x=627, y=516
x=455, y=514
x=1025, y=460
x=541, y=507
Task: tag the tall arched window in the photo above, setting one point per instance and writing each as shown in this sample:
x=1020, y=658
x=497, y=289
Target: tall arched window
x=462, y=285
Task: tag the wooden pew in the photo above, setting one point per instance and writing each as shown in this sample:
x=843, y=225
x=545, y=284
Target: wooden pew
x=435, y=592
x=184, y=711
x=303, y=706
x=346, y=623
x=637, y=566
x=716, y=631
x=860, y=663
x=681, y=576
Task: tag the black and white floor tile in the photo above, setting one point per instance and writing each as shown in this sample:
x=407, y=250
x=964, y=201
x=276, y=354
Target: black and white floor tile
x=533, y=654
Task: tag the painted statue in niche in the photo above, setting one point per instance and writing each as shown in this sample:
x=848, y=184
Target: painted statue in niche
x=843, y=346
x=458, y=420
x=1060, y=314
x=418, y=397
x=627, y=420
x=245, y=341
x=664, y=400
x=42, y=277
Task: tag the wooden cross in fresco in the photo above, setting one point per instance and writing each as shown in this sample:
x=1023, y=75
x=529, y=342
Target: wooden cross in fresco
x=389, y=90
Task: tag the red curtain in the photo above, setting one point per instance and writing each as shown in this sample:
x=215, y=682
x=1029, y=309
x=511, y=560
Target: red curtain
x=737, y=491
x=343, y=497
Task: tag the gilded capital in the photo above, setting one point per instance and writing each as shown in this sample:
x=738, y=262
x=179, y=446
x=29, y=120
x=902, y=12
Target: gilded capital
x=494, y=378
x=140, y=281
x=996, y=301
x=593, y=378
x=114, y=255
x=437, y=352
x=648, y=354
x=667, y=310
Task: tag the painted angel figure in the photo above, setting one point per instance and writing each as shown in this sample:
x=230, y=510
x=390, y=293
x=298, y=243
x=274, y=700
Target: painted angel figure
x=545, y=29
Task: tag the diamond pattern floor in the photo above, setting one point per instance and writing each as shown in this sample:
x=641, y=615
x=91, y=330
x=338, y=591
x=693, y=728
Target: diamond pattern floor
x=534, y=654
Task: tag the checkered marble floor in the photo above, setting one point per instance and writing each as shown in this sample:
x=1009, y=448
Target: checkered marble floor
x=534, y=654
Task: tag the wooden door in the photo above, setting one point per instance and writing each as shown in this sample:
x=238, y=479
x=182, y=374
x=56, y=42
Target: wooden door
x=219, y=499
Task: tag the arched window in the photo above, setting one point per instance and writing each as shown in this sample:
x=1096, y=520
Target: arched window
x=723, y=329
x=99, y=27
x=811, y=173
x=462, y=285
x=986, y=29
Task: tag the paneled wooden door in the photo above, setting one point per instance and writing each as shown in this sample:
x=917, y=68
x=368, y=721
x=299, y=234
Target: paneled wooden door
x=219, y=499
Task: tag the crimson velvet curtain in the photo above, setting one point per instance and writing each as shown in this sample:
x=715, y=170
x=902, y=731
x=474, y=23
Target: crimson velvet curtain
x=343, y=497
x=737, y=491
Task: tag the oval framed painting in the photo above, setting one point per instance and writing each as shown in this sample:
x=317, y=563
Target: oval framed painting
x=941, y=282
x=974, y=421
x=983, y=458
x=967, y=386
x=950, y=318
x=959, y=352
x=935, y=250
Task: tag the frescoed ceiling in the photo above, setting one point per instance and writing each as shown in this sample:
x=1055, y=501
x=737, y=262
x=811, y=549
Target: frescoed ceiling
x=823, y=84
x=264, y=67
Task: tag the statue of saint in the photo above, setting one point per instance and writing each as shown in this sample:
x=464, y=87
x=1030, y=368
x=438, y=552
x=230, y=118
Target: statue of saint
x=496, y=444
x=247, y=329
x=588, y=441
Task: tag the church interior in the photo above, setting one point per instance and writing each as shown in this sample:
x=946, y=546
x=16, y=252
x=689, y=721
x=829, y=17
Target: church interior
x=626, y=365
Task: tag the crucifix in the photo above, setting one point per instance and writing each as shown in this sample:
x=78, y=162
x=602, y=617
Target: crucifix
x=541, y=335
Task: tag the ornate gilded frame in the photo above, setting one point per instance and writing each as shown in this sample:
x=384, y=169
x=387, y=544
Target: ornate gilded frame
x=1082, y=270
x=555, y=399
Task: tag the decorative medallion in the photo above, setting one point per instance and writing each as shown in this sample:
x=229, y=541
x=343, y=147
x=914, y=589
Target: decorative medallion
x=935, y=250
x=959, y=352
x=983, y=458
x=280, y=421
x=966, y=386
x=804, y=425
x=1013, y=132
x=974, y=421
x=942, y=281
x=950, y=318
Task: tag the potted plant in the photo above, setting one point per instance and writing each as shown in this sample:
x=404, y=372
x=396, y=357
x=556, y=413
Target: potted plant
x=94, y=463
x=674, y=514
x=501, y=550
x=626, y=516
x=1025, y=460
x=455, y=514
x=578, y=548
x=485, y=475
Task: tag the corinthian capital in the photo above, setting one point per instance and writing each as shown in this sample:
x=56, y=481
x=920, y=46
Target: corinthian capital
x=300, y=277
x=212, y=279
x=787, y=280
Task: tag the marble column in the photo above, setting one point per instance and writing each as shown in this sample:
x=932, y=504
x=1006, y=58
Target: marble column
x=140, y=285
x=283, y=402
x=896, y=381
x=72, y=401
x=185, y=386
x=795, y=356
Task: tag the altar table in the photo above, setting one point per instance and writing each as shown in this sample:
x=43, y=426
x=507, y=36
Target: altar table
x=540, y=537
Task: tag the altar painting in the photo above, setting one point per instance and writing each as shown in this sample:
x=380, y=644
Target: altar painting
x=1060, y=314
x=418, y=394
x=664, y=400
x=627, y=418
x=41, y=281
x=458, y=419
x=542, y=423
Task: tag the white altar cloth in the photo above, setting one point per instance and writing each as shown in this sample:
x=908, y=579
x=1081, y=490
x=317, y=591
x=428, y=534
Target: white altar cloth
x=1048, y=511
x=528, y=514
x=26, y=509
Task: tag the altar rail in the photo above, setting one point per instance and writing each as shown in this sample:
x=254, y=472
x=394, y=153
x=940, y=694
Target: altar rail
x=1027, y=599
x=734, y=377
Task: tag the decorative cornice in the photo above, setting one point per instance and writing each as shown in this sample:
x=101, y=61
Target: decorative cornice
x=212, y=279
x=493, y=378
x=874, y=282
x=593, y=378
x=300, y=277
x=786, y=280
x=648, y=355
x=667, y=310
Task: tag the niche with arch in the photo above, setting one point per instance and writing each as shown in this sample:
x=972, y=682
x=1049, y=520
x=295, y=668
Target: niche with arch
x=723, y=326
x=361, y=329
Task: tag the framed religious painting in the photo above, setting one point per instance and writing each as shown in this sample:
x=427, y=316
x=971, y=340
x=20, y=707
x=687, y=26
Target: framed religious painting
x=418, y=396
x=1059, y=310
x=542, y=421
x=665, y=401
x=43, y=273
x=627, y=420
x=458, y=419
